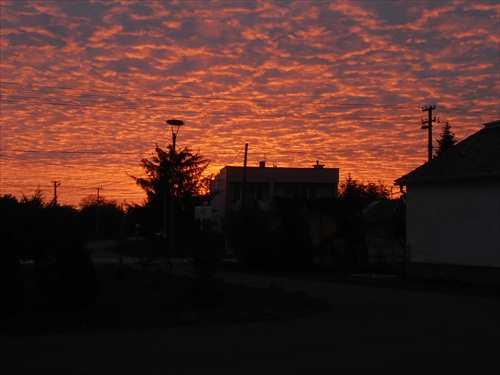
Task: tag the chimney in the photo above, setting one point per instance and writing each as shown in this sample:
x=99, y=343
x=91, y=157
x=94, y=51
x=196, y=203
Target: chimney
x=318, y=165
x=262, y=164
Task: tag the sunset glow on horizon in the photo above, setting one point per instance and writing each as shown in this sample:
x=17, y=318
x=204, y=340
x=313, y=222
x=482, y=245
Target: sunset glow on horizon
x=86, y=86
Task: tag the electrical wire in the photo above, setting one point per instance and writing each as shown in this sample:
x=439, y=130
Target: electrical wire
x=37, y=88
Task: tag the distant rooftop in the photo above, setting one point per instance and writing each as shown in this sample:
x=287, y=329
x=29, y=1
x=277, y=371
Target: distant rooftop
x=476, y=157
x=283, y=175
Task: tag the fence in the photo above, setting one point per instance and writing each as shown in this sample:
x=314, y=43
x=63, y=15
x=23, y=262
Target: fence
x=386, y=253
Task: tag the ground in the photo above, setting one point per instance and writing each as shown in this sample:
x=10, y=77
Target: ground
x=141, y=300
x=382, y=326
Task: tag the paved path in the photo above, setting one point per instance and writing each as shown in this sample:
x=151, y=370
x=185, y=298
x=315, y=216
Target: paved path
x=368, y=330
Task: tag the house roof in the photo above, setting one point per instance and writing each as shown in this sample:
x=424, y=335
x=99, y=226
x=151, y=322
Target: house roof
x=380, y=211
x=476, y=157
x=284, y=175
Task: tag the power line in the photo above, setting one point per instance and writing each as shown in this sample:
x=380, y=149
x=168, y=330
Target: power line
x=131, y=100
x=70, y=152
x=198, y=97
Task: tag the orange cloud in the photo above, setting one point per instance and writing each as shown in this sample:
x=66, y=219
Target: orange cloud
x=89, y=88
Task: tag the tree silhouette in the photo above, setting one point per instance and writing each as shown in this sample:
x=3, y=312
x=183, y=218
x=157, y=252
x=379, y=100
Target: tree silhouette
x=191, y=185
x=354, y=196
x=446, y=139
x=101, y=217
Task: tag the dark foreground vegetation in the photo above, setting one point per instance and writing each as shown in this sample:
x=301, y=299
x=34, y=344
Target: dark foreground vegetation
x=132, y=299
x=48, y=282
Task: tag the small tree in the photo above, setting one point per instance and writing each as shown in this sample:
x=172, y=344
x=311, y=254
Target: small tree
x=101, y=217
x=446, y=139
x=191, y=187
x=354, y=196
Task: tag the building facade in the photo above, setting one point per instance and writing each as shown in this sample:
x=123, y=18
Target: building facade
x=259, y=187
x=453, y=212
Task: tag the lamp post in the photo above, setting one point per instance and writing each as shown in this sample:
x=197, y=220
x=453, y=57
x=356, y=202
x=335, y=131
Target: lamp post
x=174, y=126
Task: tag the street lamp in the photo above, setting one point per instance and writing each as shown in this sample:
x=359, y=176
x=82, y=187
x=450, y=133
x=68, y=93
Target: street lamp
x=174, y=126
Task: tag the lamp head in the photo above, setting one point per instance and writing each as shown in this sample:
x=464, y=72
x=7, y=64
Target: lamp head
x=175, y=122
x=175, y=125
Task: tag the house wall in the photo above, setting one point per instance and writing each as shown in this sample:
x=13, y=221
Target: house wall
x=263, y=184
x=218, y=201
x=308, y=190
x=454, y=224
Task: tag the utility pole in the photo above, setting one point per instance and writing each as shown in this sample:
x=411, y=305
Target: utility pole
x=98, y=197
x=244, y=181
x=97, y=213
x=56, y=185
x=429, y=122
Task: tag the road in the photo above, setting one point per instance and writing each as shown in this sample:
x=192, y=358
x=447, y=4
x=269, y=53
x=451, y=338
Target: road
x=367, y=330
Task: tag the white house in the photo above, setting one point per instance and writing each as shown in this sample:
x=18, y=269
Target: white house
x=259, y=186
x=453, y=212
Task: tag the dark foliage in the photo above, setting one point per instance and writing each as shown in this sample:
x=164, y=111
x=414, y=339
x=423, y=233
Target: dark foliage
x=446, y=139
x=353, y=198
x=11, y=285
x=70, y=281
x=292, y=248
x=250, y=236
x=207, y=256
x=38, y=232
x=51, y=237
x=191, y=189
x=279, y=241
x=101, y=218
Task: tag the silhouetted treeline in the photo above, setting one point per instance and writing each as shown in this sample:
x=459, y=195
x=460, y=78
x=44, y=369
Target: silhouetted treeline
x=53, y=238
x=278, y=240
x=282, y=240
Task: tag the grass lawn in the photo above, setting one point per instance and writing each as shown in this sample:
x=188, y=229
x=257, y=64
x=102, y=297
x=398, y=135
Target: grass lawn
x=144, y=301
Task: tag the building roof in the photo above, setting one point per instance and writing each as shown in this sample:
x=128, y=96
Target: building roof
x=476, y=157
x=284, y=175
x=380, y=211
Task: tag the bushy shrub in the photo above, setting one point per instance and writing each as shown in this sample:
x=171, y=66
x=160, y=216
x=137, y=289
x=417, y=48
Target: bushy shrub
x=250, y=235
x=207, y=257
x=292, y=243
x=70, y=281
x=281, y=240
x=292, y=248
x=12, y=291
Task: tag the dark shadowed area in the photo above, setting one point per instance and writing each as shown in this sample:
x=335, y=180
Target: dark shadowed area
x=132, y=299
x=389, y=328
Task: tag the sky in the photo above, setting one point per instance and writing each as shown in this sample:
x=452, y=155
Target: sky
x=87, y=86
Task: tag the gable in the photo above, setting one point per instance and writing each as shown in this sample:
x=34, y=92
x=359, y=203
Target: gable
x=476, y=157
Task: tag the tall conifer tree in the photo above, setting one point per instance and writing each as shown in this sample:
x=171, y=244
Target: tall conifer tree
x=446, y=140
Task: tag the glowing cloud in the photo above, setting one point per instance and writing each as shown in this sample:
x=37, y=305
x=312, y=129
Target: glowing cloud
x=87, y=85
